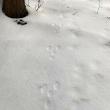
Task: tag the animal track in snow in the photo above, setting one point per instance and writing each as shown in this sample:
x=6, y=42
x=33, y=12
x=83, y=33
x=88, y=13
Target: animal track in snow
x=57, y=27
x=43, y=88
x=49, y=92
x=47, y=104
x=52, y=49
x=56, y=86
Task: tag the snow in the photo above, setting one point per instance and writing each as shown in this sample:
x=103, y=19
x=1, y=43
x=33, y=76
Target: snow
x=60, y=60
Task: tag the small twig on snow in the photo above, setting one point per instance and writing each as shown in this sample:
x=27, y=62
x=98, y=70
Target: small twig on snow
x=99, y=6
x=38, y=6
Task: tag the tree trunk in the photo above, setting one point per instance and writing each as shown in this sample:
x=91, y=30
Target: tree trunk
x=14, y=8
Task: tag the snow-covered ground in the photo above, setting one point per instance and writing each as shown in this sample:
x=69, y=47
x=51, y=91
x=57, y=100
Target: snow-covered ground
x=60, y=60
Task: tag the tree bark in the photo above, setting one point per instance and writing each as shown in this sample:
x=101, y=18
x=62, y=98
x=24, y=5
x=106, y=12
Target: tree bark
x=14, y=8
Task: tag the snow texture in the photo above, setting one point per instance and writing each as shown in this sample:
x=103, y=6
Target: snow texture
x=60, y=60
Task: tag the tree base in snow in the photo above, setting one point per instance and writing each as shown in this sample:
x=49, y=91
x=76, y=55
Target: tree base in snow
x=14, y=8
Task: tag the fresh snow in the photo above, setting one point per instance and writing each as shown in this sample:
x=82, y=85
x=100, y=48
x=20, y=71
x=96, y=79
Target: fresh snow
x=60, y=60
